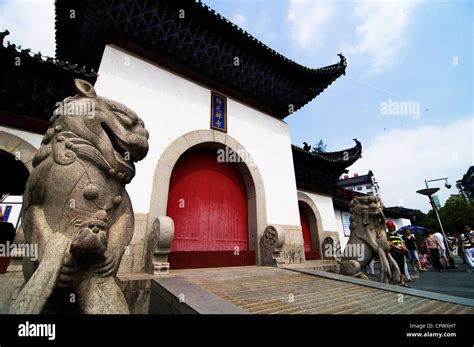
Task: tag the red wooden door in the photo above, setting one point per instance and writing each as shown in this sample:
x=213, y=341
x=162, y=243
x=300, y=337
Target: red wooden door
x=308, y=250
x=208, y=203
x=306, y=234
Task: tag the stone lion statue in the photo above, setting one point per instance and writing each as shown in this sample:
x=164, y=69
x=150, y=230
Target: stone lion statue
x=368, y=241
x=76, y=208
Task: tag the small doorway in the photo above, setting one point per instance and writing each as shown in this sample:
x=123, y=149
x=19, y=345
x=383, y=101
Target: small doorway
x=309, y=229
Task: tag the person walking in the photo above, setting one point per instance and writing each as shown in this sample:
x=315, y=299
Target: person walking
x=405, y=268
x=7, y=235
x=397, y=250
x=370, y=268
x=459, y=248
x=466, y=249
x=442, y=250
x=423, y=261
x=432, y=246
x=413, y=251
x=453, y=243
x=470, y=234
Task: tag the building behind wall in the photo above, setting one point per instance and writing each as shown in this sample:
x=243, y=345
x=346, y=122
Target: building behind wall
x=316, y=179
x=365, y=184
x=466, y=184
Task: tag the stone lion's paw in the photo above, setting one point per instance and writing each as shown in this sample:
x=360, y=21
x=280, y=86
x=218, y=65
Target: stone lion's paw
x=68, y=270
x=106, y=266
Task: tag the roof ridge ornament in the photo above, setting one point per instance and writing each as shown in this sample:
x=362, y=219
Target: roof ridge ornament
x=3, y=34
x=345, y=155
x=343, y=62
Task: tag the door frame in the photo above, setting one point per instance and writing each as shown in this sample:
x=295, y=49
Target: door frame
x=257, y=216
x=314, y=220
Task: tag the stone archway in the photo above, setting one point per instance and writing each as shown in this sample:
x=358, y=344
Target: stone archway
x=257, y=220
x=24, y=152
x=315, y=223
x=19, y=148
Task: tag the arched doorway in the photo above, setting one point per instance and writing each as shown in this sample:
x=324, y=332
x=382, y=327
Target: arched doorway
x=12, y=185
x=14, y=174
x=208, y=203
x=308, y=221
x=16, y=156
x=256, y=202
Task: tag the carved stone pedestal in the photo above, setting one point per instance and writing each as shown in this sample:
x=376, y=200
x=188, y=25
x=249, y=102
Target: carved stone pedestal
x=161, y=236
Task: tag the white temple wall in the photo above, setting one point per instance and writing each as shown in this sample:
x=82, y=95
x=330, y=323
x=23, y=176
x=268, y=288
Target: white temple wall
x=172, y=106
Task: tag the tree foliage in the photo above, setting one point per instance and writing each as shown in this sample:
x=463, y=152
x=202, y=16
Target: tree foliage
x=427, y=220
x=456, y=213
x=319, y=148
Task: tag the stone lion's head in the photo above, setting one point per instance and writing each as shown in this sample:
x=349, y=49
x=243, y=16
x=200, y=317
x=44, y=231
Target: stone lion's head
x=367, y=207
x=367, y=216
x=367, y=210
x=112, y=128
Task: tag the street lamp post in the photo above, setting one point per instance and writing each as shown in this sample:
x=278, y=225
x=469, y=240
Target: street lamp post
x=445, y=179
x=429, y=193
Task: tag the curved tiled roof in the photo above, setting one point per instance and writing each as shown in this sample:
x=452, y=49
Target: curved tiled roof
x=31, y=84
x=190, y=38
x=260, y=43
x=319, y=172
x=346, y=156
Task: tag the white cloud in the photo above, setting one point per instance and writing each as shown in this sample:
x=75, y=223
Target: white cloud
x=307, y=20
x=30, y=23
x=239, y=19
x=382, y=29
x=402, y=159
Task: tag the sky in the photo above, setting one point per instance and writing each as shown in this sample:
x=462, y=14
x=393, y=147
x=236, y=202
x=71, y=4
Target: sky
x=408, y=90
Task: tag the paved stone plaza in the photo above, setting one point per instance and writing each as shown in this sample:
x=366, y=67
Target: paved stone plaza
x=455, y=282
x=265, y=290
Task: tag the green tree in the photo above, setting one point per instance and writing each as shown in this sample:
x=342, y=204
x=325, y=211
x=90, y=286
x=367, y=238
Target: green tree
x=431, y=221
x=319, y=148
x=419, y=217
x=456, y=213
x=427, y=220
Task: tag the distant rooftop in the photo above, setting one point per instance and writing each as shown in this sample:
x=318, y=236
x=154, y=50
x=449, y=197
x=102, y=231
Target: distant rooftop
x=342, y=197
x=356, y=180
x=319, y=172
x=468, y=177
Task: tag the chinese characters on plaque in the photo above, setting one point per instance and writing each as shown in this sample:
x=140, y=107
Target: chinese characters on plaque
x=218, y=112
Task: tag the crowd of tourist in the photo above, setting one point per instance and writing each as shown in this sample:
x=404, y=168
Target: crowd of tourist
x=428, y=248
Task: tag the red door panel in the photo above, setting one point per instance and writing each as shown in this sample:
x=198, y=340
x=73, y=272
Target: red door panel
x=306, y=234
x=208, y=203
x=309, y=252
